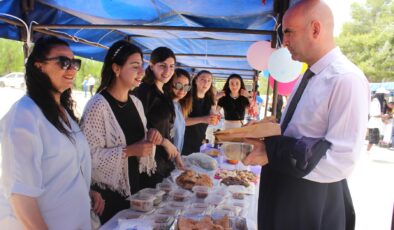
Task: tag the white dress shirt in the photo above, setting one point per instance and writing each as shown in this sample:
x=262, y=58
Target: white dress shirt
x=333, y=106
x=40, y=162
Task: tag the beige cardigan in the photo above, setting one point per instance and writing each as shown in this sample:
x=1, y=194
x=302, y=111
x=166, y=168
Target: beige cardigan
x=107, y=141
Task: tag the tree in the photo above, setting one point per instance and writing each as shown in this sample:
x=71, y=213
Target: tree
x=369, y=39
x=12, y=60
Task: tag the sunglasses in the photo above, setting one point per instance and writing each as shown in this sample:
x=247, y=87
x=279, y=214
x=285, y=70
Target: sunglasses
x=66, y=63
x=179, y=86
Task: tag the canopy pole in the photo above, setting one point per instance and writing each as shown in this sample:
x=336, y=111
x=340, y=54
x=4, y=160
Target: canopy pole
x=151, y=27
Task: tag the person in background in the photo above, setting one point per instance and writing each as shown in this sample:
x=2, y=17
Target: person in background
x=115, y=126
x=303, y=180
x=46, y=165
x=179, y=86
x=160, y=113
x=260, y=105
x=375, y=123
x=91, y=82
x=234, y=101
x=85, y=86
x=202, y=112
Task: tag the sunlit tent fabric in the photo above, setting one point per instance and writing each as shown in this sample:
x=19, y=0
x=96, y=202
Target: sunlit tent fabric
x=194, y=48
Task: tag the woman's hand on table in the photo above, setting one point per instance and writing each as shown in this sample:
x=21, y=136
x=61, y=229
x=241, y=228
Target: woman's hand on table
x=259, y=154
x=98, y=203
x=170, y=148
x=179, y=162
x=154, y=136
x=139, y=149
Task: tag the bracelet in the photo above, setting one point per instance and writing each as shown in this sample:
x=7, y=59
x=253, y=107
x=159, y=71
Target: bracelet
x=124, y=152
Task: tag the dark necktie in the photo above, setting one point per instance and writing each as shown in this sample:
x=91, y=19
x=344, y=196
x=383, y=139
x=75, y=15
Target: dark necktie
x=296, y=98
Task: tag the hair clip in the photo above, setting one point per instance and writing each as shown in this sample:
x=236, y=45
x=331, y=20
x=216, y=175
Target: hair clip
x=117, y=51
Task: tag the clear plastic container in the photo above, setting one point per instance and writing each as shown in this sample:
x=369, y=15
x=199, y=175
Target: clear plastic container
x=236, y=151
x=167, y=187
x=195, y=211
x=237, y=191
x=201, y=192
x=226, y=207
x=154, y=192
x=162, y=221
x=214, y=200
x=170, y=211
x=180, y=195
x=220, y=191
x=142, y=202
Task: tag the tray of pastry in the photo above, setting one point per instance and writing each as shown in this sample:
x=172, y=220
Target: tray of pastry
x=187, y=222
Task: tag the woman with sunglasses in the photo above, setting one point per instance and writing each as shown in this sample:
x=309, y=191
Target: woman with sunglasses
x=115, y=125
x=179, y=86
x=202, y=112
x=46, y=162
x=234, y=101
x=160, y=113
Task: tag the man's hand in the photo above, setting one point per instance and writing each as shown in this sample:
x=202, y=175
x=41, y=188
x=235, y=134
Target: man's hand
x=259, y=155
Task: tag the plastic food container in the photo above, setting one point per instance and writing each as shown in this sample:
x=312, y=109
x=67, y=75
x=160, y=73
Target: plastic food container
x=195, y=211
x=201, y=205
x=157, y=193
x=214, y=200
x=234, y=209
x=201, y=191
x=142, y=202
x=220, y=191
x=165, y=186
x=162, y=222
x=238, y=191
x=180, y=195
x=236, y=151
x=170, y=211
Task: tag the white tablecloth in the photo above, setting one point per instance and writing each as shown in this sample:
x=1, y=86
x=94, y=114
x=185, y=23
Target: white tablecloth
x=249, y=213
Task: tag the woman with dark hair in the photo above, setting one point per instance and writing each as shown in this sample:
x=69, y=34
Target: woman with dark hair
x=179, y=87
x=46, y=162
x=115, y=125
x=160, y=113
x=201, y=114
x=234, y=101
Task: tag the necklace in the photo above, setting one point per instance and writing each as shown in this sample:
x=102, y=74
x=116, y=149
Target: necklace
x=121, y=105
x=234, y=97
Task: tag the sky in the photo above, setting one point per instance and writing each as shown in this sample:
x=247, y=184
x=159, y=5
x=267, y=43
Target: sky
x=341, y=11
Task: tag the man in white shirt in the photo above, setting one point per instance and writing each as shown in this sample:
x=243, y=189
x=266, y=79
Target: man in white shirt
x=303, y=181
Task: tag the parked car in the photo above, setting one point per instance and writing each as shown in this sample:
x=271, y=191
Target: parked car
x=14, y=79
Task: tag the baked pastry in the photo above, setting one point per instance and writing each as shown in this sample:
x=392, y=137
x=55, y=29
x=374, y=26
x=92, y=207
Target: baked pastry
x=189, y=178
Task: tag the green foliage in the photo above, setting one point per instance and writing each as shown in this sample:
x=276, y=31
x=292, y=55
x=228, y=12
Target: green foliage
x=369, y=39
x=11, y=53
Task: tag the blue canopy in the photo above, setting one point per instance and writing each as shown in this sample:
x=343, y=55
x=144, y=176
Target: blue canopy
x=213, y=35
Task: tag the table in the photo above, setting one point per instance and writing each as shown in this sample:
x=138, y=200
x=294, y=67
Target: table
x=249, y=213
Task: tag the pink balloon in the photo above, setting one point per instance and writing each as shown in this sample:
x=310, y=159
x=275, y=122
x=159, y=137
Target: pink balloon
x=258, y=54
x=284, y=89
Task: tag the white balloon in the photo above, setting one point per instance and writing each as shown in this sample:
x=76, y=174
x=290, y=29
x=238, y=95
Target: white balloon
x=282, y=68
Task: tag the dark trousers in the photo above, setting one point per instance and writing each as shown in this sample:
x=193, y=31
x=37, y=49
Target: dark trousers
x=290, y=203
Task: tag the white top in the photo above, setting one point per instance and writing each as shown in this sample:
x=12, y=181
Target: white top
x=333, y=106
x=107, y=140
x=375, y=110
x=40, y=162
x=91, y=80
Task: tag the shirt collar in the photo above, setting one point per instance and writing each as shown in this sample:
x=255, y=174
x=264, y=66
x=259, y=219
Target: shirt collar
x=326, y=60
